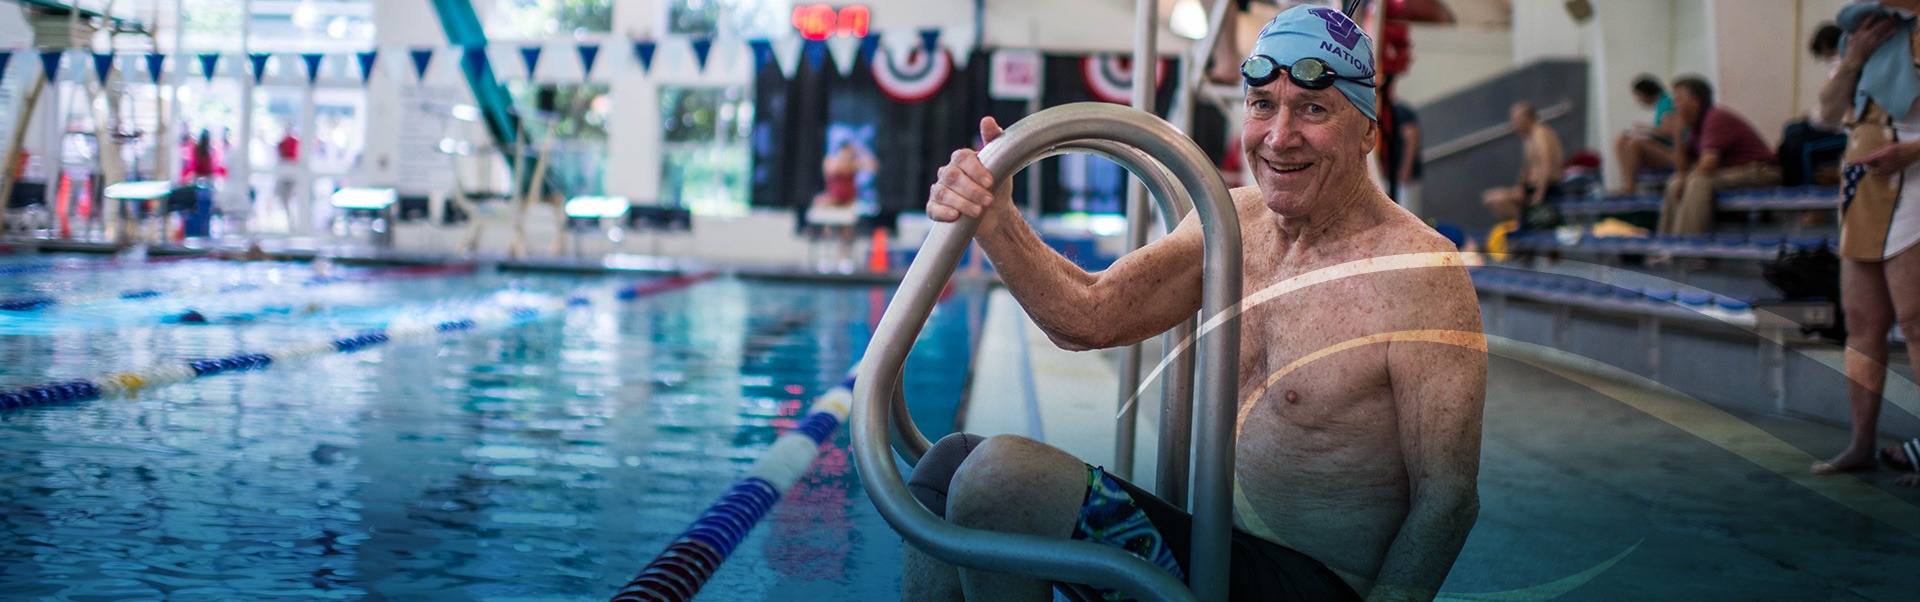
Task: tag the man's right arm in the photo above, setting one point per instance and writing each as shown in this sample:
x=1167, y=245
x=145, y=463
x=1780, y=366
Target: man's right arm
x=1142, y=294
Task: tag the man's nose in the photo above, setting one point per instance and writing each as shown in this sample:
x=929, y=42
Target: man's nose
x=1281, y=132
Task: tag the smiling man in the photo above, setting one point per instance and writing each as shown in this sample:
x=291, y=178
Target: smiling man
x=1359, y=429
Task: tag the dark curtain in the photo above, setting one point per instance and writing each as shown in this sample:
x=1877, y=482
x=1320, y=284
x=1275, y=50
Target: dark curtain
x=1101, y=186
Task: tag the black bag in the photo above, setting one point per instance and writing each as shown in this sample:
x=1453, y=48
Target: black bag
x=1810, y=274
x=1544, y=216
x=1805, y=149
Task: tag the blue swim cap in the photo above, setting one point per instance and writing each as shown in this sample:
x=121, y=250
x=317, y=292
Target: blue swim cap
x=1326, y=34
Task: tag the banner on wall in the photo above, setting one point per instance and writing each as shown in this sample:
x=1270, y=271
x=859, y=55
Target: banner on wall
x=1014, y=75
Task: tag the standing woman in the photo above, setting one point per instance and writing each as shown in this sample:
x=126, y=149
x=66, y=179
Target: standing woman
x=1873, y=92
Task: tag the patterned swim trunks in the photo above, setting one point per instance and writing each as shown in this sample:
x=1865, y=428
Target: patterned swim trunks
x=1110, y=517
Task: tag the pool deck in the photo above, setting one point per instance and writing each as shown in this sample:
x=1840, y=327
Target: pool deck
x=1594, y=484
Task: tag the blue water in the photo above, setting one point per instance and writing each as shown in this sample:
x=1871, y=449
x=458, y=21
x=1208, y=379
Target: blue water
x=543, y=462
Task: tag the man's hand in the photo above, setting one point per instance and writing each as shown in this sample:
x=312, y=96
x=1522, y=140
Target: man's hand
x=1873, y=32
x=965, y=187
x=1891, y=159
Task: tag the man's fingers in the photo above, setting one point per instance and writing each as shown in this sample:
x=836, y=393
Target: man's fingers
x=989, y=129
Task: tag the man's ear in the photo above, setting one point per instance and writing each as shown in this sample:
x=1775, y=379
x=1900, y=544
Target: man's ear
x=1373, y=135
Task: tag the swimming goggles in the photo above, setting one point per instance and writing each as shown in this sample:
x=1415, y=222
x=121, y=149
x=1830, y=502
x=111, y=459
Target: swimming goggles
x=1309, y=72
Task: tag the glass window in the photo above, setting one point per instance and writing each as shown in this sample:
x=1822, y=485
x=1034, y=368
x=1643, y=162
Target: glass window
x=743, y=18
x=538, y=19
x=705, y=161
x=576, y=163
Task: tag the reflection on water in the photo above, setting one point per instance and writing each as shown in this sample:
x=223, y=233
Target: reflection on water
x=547, y=462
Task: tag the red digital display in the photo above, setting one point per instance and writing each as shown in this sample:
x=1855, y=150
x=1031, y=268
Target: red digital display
x=819, y=21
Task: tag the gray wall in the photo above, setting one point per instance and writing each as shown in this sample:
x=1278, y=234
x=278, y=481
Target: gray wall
x=1453, y=184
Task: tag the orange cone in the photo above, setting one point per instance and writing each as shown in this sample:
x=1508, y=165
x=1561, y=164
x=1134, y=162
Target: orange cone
x=877, y=259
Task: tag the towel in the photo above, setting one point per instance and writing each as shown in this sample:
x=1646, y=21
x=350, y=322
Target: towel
x=1888, y=78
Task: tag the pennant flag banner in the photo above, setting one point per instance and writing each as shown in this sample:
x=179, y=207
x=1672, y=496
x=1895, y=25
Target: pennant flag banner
x=929, y=40
x=702, y=46
x=6, y=56
x=845, y=52
x=913, y=78
x=530, y=56
x=816, y=51
x=50, y=63
x=156, y=65
x=366, y=64
x=869, y=46
x=644, y=52
x=476, y=60
x=259, y=60
x=208, y=61
x=762, y=53
x=102, y=66
x=312, y=59
x=422, y=58
x=588, y=52
x=786, y=52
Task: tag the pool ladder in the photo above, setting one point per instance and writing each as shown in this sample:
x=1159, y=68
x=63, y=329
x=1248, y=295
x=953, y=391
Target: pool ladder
x=1181, y=179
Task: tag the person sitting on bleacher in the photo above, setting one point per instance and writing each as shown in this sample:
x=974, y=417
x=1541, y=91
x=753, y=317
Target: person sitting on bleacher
x=1647, y=146
x=1721, y=150
x=1540, y=165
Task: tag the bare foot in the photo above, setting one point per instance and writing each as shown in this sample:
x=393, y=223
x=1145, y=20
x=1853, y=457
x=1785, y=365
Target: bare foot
x=1848, y=461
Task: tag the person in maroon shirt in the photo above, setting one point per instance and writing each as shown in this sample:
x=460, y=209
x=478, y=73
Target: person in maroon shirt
x=1721, y=151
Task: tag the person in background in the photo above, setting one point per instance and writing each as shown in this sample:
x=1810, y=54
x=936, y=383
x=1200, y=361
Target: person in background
x=1403, y=153
x=832, y=211
x=1721, y=150
x=1646, y=146
x=1879, y=215
x=286, y=178
x=1541, y=162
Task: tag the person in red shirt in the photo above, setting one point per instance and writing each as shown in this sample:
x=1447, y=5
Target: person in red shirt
x=1721, y=150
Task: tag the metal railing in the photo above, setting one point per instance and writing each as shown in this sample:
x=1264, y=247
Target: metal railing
x=1175, y=170
x=1489, y=134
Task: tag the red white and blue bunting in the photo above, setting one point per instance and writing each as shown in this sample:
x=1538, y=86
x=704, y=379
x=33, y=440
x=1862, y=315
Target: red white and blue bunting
x=1110, y=76
x=911, y=76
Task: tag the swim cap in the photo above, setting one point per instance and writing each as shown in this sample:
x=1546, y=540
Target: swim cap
x=1328, y=35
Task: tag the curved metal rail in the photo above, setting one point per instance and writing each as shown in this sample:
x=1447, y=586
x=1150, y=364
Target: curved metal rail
x=1175, y=169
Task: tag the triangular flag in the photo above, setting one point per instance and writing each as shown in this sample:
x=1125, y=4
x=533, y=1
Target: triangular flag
x=644, y=51
x=530, y=56
x=786, y=52
x=102, y=65
x=588, y=53
x=208, y=62
x=701, y=46
x=762, y=53
x=845, y=51
x=5, y=57
x=422, y=58
x=958, y=40
x=476, y=60
x=50, y=63
x=816, y=51
x=156, y=65
x=868, y=46
x=259, y=60
x=929, y=39
x=313, y=67
x=366, y=64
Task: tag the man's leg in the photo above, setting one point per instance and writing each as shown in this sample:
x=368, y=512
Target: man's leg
x=1008, y=484
x=1695, y=213
x=1670, y=204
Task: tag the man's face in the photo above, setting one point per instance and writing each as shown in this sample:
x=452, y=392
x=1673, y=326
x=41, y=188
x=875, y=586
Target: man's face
x=1520, y=120
x=1304, y=144
x=1686, y=105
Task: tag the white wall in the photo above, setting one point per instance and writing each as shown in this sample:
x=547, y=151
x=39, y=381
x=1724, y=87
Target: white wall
x=1690, y=37
x=1449, y=59
x=1543, y=29
x=1760, y=85
x=1626, y=44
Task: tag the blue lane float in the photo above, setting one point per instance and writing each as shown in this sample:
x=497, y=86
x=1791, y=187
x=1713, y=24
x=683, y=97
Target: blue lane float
x=519, y=308
x=124, y=384
x=691, y=559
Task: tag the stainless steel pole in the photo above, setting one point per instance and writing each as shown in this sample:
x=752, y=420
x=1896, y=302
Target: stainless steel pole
x=1139, y=218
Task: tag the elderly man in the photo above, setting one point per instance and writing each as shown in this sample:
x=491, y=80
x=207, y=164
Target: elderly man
x=1359, y=432
x=1721, y=151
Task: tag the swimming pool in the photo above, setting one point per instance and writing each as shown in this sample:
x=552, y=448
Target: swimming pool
x=548, y=461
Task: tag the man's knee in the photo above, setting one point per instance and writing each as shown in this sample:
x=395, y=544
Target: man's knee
x=933, y=476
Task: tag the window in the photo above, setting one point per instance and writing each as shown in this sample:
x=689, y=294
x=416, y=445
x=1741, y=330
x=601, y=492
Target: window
x=538, y=19
x=705, y=161
x=743, y=18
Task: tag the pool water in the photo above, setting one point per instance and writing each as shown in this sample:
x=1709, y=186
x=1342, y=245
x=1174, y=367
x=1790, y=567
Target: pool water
x=547, y=461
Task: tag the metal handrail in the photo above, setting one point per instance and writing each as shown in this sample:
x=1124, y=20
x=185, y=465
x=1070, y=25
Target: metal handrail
x=1487, y=135
x=876, y=394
